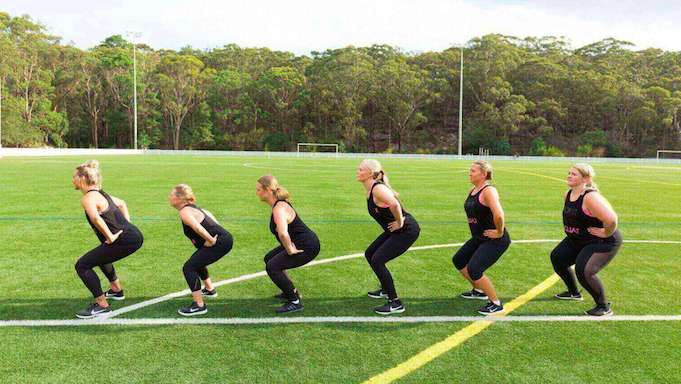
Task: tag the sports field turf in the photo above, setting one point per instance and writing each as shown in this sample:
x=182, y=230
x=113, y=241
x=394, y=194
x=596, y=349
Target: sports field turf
x=43, y=231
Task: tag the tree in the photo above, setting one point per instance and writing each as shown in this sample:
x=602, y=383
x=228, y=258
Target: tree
x=181, y=81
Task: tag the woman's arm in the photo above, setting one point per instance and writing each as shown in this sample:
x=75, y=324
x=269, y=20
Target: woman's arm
x=90, y=206
x=601, y=209
x=490, y=198
x=385, y=197
x=281, y=221
x=188, y=218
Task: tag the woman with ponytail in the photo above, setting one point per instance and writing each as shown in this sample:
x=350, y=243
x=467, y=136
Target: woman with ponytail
x=211, y=241
x=489, y=238
x=298, y=244
x=592, y=239
x=110, y=220
x=400, y=231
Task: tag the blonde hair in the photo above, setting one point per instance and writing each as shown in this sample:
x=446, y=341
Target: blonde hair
x=89, y=173
x=486, y=167
x=270, y=182
x=377, y=172
x=184, y=193
x=587, y=171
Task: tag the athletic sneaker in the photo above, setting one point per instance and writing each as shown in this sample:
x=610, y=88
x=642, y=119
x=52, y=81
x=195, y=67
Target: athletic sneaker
x=390, y=308
x=567, y=295
x=193, y=310
x=290, y=306
x=282, y=295
x=110, y=294
x=600, y=310
x=491, y=308
x=377, y=294
x=474, y=294
x=207, y=293
x=93, y=310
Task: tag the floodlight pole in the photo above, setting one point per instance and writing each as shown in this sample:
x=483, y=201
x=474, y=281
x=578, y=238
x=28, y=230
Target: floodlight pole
x=134, y=35
x=460, y=100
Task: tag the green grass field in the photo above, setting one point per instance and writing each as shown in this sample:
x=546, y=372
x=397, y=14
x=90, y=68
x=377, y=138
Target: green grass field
x=43, y=231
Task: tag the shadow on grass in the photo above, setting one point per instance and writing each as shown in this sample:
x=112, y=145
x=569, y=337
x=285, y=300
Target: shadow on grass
x=52, y=308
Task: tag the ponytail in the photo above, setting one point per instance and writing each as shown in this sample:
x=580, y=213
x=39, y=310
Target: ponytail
x=377, y=173
x=271, y=183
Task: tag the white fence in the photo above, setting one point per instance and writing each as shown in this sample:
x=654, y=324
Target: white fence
x=49, y=152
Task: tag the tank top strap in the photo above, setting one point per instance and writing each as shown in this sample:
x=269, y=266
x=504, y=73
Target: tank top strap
x=295, y=214
x=109, y=200
x=478, y=192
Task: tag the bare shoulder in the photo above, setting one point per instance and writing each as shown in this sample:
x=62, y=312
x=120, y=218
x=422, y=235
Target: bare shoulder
x=87, y=199
x=383, y=192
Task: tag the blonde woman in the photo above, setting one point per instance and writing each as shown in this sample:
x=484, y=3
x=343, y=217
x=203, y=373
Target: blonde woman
x=110, y=220
x=211, y=240
x=298, y=244
x=489, y=238
x=592, y=239
x=400, y=231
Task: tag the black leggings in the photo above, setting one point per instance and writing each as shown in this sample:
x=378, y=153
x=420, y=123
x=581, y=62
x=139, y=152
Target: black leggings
x=386, y=247
x=478, y=255
x=588, y=261
x=278, y=260
x=103, y=257
x=195, y=269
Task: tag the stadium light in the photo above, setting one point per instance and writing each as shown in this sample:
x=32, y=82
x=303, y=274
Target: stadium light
x=134, y=36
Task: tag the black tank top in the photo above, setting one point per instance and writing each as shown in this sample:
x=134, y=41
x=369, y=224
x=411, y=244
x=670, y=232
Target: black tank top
x=112, y=216
x=576, y=222
x=301, y=235
x=383, y=216
x=480, y=217
x=208, y=223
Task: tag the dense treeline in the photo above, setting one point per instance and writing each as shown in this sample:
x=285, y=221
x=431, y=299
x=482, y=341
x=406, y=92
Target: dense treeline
x=521, y=96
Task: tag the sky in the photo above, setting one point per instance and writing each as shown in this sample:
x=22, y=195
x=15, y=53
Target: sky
x=305, y=26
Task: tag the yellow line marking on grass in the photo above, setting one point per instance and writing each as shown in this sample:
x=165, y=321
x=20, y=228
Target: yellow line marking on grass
x=434, y=351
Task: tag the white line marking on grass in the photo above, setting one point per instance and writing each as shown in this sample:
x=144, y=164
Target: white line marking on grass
x=250, y=276
x=454, y=340
x=329, y=319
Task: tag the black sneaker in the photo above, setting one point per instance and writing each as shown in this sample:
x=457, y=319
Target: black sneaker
x=490, y=308
x=390, y=308
x=110, y=294
x=473, y=294
x=290, y=306
x=207, y=293
x=193, y=310
x=600, y=310
x=567, y=295
x=93, y=310
x=282, y=295
x=377, y=294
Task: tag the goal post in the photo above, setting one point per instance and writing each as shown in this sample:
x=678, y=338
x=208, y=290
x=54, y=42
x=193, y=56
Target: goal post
x=316, y=148
x=668, y=154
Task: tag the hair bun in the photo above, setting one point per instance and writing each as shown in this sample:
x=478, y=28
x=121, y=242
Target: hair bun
x=92, y=164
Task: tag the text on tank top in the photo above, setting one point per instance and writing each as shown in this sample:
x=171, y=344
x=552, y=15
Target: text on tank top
x=480, y=217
